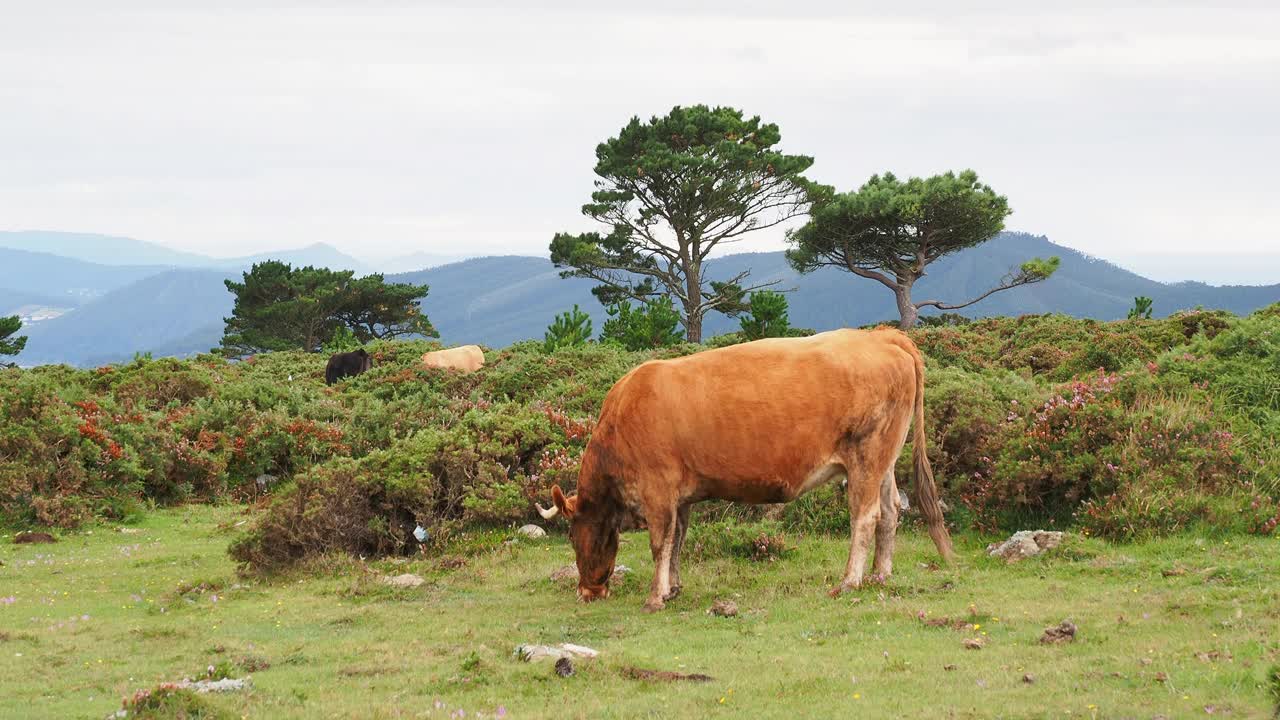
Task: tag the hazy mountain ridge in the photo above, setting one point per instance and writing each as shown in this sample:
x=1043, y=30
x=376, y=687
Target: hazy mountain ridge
x=499, y=300
x=65, y=280
x=175, y=312
x=112, y=251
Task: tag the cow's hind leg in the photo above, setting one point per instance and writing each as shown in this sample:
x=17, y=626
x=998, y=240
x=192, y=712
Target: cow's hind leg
x=682, y=526
x=887, y=527
x=864, y=513
x=662, y=535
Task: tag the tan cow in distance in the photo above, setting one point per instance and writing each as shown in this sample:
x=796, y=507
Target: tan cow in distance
x=761, y=422
x=464, y=358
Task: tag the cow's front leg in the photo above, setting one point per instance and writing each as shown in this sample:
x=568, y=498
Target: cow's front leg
x=662, y=535
x=682, y=526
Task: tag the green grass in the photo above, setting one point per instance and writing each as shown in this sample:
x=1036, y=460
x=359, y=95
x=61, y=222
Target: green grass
x=103, y=614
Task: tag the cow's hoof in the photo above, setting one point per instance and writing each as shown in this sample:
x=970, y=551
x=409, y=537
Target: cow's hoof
x=675, y=591
x=840, y=589
x=654, y=605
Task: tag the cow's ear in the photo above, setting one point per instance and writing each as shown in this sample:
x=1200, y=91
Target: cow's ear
x=568, y=505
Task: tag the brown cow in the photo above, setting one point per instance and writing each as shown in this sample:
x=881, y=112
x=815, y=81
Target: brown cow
x=466, y=358
x=761, y=422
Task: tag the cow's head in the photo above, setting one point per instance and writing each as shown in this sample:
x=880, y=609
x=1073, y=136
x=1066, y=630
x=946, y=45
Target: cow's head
x=593, y=529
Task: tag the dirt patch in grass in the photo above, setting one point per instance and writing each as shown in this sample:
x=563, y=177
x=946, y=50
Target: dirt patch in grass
x=663, y=675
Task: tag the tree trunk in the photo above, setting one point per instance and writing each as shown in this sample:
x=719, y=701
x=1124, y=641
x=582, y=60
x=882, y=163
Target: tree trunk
x=906, y=309
x=693, y=326
x=693, y=304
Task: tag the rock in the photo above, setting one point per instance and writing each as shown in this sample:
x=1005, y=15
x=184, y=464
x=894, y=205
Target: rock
x=1028, y=678
x=976, y=643
x=570, y=572
x=226, y=685
x=532, y=531
x=564, y=667
x=128, y=530
x=723, y=608
x=1025, y=544
x=530, y=653
x=1064, y=631
x=407, y=580
x=33, y=538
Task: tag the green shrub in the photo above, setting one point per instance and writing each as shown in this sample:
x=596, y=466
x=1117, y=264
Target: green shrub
x=1130, y=458
x=1178, y=430
x=760, y=541
x=654, y=324
x=487, y=468
x=170, y=702
x=766, y=316
x=570, y=329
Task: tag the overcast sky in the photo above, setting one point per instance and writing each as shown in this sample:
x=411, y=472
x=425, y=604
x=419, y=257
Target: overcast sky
x=470, y=128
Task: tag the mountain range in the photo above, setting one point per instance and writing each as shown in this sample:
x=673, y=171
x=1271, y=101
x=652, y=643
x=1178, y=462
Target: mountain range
x=112, y=311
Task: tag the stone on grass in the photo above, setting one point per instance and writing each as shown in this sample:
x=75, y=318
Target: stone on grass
x=723, y=608
x=530, y=653
x=976, y=643
x=218, y=686
x=1025, y=544
x=532, y=531
x=407, y=580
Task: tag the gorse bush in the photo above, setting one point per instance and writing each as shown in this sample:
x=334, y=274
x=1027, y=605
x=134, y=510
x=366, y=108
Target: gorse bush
x=1121, y=429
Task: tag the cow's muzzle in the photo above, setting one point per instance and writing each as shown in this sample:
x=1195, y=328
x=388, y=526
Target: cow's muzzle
x=591, y=594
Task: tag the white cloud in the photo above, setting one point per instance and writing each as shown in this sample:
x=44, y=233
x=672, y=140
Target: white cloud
x=399, y=127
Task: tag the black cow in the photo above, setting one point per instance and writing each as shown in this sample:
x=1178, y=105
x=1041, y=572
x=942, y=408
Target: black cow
x=347, y=364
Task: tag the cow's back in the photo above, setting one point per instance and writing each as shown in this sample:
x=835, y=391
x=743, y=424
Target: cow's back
x=757, y=416
x=467, y=358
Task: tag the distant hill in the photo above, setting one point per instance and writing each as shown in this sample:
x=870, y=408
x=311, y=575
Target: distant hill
x=11, y=301
x=414, y=261
x=317, y=255
x=175, y=312
x=99, y=249
x=498, y=300
x=121, y=251
x=64, y=280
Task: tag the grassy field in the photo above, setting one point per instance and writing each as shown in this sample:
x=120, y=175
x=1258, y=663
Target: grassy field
x=102, y=614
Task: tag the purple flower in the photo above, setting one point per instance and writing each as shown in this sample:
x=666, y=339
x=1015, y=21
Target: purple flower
x=8, y=600
x=502, y=711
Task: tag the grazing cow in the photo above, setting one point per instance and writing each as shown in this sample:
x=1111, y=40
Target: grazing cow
x=465, y=358
x=348, y=364
x=761, y=422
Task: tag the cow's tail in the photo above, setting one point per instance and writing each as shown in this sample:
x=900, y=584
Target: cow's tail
x=926, y=491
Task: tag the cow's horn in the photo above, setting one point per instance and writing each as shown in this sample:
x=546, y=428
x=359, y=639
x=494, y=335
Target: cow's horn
x=547, y=514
